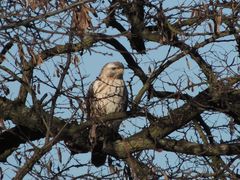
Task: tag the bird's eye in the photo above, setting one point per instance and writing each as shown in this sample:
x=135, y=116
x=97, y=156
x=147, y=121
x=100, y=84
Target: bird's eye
x=114, y=68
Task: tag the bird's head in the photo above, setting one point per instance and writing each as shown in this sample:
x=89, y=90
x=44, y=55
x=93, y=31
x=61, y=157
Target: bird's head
x=112, y=70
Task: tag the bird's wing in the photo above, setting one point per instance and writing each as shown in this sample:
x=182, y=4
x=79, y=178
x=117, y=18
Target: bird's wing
x=89, y=99
x=126, y=98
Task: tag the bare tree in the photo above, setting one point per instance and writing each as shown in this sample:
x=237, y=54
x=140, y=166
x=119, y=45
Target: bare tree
x=183, y=67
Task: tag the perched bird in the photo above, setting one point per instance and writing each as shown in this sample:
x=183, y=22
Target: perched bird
x=107, y=94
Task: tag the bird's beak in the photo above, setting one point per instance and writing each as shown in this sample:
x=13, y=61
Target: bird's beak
x=121, y=70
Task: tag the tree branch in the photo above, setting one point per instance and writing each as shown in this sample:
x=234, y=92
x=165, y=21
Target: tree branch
x=44, y=16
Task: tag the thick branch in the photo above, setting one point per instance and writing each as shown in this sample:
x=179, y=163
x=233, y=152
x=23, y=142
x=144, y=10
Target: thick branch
x=148, y=138
x=12, y=138
x=199, y=149
x=30, y=126
x=63, y=49
x=181, y=146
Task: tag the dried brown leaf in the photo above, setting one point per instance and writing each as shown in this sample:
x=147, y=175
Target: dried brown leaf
x=44, y=3
x=59, y=154
x=188, y=63
x=218, y=20
x=211, y=2
x=81, y=19
x=163, y=39
x=165, y=177
x=38, y=88
x=58, y=72
x=49, y=166
x=192, y=88
x=210, y=27
x=112, y=169
x=149, y=69
x=206, y=9
x=76, y=60
x=2, y=126
x=71, y=103
x=62, y=3
x=32, y=4
x=20, y=50
x=39, y=59
x=1, y=173
x=84, y=17
x=195, y=13
x=32, y=54
x=231, y=126
x=5, y=89
x=34, y=87
x=190, y=85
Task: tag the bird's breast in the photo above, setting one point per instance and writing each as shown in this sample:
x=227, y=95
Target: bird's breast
x=109, y=95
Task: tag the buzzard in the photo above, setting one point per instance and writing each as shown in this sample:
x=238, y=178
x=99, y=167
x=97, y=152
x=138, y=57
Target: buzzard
x=107, y=94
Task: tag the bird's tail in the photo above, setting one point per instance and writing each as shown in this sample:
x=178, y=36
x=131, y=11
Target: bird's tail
x=104, y=136
x=98, y=156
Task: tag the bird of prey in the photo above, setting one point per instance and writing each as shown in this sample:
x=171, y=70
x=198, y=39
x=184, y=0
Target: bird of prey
x=107, y=94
